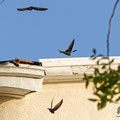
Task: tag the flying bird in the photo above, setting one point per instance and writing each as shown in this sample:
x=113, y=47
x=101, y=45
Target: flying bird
x=52, y=110
x=11, y=61
x=69, y=50
x=32, y=8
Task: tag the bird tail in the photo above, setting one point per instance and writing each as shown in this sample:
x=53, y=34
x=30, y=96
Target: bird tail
x=73, y=51
x=60, y=51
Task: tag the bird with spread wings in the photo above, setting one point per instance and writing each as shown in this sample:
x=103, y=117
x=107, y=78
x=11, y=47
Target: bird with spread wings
x=69, y=50
x=53, y=109
x=32, y=8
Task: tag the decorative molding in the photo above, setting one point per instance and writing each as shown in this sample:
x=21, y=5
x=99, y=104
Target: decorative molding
x=19, y=81
x=52, y=79
x=60, y=70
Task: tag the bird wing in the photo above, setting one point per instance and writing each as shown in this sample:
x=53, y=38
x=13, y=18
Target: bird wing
x=70, y=46
x=11, y=61
x=58, y=105
x=22, y=9
x=73, y=51
x=52, y=103
x=3, y=62
x=14, y=62
x=40, y=9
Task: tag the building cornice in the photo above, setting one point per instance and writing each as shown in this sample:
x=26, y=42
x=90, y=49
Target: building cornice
x=69, y=70
x=20, y=81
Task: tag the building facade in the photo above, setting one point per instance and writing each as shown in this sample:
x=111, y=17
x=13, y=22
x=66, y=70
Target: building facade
x=26, y=92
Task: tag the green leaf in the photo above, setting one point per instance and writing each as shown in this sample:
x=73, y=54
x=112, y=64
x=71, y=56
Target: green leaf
x=94, y=51
x=118, y=87
x=90, y=77
x=98, y=62
x=119, y=68
x=111, y=61
x=86, y=78
x=101, y=105
x=109, y=91
x=117, y=99
x=93, y=100
x=104, y=66
x=96, y=71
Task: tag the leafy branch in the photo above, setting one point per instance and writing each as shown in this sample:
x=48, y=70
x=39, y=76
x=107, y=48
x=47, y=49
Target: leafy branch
x=106, y=81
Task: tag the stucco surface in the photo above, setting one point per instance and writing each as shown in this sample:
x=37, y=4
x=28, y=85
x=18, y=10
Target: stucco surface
x=75, y=105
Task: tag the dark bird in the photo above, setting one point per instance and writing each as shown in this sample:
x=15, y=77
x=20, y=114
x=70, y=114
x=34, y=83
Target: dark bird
x=52, y=110
x=69, y=50
x=16, y=62
x=11, y=61
x=27, y=62
x=32, y=8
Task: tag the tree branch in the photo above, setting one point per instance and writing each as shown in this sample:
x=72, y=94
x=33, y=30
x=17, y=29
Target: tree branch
x=109, y=27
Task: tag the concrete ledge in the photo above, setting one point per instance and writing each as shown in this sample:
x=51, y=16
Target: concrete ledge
x=19, y=81
x=71, y=69
x=14, y=92
x=73, y=61
x=52, y=79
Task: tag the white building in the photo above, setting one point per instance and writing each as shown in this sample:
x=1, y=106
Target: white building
x=26, y=91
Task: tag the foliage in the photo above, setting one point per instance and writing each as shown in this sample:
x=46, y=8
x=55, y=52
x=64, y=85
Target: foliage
x=106, y=81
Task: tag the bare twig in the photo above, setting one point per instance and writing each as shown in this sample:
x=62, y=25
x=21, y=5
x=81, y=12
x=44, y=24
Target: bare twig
x=109, y=28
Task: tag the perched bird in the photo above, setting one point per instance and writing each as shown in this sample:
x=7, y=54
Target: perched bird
x=27, y=62
x=69, y=50
x=11, y=61
x=32, y=8
x=52, y=110
x=16, y=62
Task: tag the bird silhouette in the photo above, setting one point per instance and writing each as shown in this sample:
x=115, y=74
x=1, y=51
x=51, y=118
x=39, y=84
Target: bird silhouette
x=52, y=110
x=21, y=61
x=11, y=61
x=69, y=50
x=32, y=8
